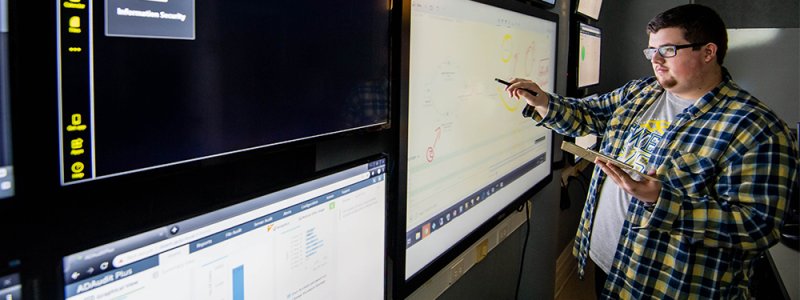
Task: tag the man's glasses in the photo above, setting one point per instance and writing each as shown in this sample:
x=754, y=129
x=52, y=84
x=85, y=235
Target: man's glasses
x=668, y=50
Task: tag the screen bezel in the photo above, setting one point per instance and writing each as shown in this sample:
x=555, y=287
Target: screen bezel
x=544, y=3
x=73, y=249
x=401, y=288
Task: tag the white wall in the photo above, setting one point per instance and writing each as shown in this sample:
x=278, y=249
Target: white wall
x=766, y=63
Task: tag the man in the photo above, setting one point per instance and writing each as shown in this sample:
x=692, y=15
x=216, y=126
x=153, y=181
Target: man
x=724, y=162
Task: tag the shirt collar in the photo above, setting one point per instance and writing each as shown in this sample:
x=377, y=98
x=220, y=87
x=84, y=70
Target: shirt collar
x=713, y=97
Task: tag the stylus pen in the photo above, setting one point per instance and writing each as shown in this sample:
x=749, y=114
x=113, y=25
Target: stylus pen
x=528, y=110
x=508, y=83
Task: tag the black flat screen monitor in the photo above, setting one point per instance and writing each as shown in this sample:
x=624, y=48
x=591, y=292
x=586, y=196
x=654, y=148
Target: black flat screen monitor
x=320, y=239
x=6, y=163
x=470, y=154
x=588, y=56
x=148, y=84
x=589, y=8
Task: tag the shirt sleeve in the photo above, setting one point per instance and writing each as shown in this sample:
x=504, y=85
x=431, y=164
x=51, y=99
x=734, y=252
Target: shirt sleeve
x=582, y=116
x=736, y=204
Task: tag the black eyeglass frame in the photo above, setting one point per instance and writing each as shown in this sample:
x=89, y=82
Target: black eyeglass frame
x=649, y=53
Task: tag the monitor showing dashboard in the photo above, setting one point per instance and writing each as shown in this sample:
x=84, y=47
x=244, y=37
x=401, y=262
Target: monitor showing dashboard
x=148, y=84
x=470, y=153
x=322, y=239
x=590, y=8
x=589, y=40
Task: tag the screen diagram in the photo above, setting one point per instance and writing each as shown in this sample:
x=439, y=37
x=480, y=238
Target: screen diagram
x=470, y=151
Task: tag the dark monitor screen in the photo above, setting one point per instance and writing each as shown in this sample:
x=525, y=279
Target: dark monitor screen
x=147, y=84
x=589, y=40
x=6, y=164
x=320, y=239
x=590, y=8
x=469, y=153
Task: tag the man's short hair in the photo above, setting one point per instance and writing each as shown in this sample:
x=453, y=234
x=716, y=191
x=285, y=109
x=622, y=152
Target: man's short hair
x=700, y=24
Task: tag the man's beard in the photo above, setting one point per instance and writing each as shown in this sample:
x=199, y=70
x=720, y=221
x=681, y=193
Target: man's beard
x=667, y=83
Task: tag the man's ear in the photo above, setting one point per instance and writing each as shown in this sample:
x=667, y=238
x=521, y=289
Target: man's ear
x=710, y=52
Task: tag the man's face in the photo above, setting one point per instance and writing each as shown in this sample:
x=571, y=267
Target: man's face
x=680, y=73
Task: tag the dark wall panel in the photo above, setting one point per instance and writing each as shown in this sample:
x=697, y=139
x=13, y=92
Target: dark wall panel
x=757, y=14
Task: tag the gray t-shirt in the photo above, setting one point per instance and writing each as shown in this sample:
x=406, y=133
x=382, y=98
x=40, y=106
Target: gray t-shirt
x=641, y=142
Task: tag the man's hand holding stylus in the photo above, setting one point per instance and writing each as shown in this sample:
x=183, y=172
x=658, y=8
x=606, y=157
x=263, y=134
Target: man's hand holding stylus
x=517, y=89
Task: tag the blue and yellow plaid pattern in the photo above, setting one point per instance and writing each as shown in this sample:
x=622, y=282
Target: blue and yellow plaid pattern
x=727, y=164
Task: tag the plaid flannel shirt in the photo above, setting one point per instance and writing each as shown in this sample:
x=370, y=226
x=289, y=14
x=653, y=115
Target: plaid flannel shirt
x=726, y=165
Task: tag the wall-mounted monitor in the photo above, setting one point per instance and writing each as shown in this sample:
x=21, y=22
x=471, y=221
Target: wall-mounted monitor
x=148, y=84
x=588, y=56
x=6, y=162
x=470, y=156
x=319, y=239
x=589, y=8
